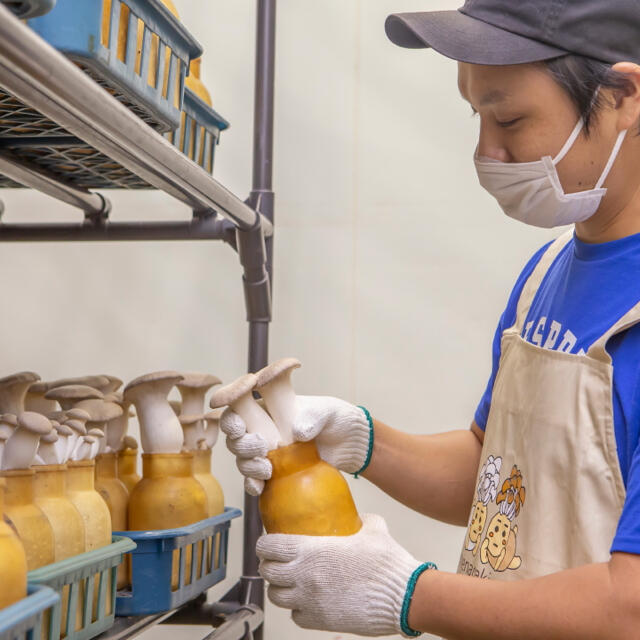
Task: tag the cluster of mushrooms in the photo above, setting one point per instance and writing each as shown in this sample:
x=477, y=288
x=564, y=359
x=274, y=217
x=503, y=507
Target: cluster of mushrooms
x=79, y=418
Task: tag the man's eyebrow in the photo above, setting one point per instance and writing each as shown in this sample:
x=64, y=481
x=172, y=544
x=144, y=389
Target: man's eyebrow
x=496, y=95
x=493, y=96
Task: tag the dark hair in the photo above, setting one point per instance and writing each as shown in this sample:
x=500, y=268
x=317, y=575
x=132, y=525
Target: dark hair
x=580, y=77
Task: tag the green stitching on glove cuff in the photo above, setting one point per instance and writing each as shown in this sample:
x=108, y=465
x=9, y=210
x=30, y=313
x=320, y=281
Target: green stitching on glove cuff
x=411, y=587
x=367, y=460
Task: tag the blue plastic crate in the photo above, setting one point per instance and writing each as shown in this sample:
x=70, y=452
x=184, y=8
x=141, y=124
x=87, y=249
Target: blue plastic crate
x=24, y=620
x=160, y=553
x=199, y=131
x=74, y=27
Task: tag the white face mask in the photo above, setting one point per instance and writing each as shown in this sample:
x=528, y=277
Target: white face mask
x=531, y=191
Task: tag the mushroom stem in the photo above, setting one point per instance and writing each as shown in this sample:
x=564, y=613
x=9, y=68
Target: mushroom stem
x=47, y=452
x=160, y=430
x=20, y=449
x=274, y=385
x=239, y=396
x=193, y=432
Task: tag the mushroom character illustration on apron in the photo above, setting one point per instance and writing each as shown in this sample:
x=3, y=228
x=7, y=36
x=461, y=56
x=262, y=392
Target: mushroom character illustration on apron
x=549, y=487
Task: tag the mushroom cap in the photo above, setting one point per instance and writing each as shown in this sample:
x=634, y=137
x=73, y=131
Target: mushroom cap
x=34, y=422
x=60, y=416
x=77, y=426
x=100, y=411
x=95, y=382
x=63, y=429
x=39, y=387
x=129, y=442
x=152, y=377
x=10, y=419
x=77, y=414
x=94, y=431
x=231, y=392
x=113, y=382
x=50, y=437
x=194, y=380
x=19, y=378
x=275, y=369
x=188, y=420
x=73, y=392
x=115, y=396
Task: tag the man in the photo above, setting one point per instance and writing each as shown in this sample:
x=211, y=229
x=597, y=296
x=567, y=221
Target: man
x=548, y=477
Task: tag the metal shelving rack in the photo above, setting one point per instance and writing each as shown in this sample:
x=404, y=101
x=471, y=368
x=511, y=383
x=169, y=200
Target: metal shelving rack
x=44, y=80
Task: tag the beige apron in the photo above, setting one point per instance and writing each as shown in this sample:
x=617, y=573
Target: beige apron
x=549, y=491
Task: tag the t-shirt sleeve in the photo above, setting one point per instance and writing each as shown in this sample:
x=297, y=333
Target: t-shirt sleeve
x=507, y=319
x=624, y=348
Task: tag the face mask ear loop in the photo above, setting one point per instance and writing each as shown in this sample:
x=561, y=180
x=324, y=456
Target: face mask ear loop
x=569, y=143
x=612, y=158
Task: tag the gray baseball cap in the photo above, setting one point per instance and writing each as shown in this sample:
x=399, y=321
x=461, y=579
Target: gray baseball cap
x=500, y=32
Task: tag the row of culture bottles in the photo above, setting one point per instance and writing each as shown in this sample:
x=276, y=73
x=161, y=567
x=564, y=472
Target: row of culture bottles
x=69, y=466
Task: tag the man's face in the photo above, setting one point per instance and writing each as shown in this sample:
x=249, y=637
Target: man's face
x=525, y=115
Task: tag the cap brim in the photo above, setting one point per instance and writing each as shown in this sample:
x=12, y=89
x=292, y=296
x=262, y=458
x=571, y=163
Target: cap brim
x=466, y=39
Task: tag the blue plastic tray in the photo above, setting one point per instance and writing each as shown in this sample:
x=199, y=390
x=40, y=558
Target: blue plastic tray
x=74, y=27
x=24, y=620
x=153, y=560
x=199, y=131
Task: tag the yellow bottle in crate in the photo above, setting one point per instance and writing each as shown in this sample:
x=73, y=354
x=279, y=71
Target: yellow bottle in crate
x=50, y=495
x=194, y=82
x=92, y=507
x=28, y=520
x=116, y=496
x=307, y=496
x=168, y=496
x=13, y=561
x=128, y=468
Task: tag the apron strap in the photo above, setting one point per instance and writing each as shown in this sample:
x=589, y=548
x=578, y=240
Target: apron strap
x=598, y=349
x=537, y=276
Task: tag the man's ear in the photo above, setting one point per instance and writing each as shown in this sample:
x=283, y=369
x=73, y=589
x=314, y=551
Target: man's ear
x=628, y=103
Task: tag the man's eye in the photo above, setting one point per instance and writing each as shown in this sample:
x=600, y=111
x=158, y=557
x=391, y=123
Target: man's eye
x=508, y=123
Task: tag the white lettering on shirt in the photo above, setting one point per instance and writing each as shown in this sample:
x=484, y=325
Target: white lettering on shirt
x=554, y=332
x=537, y=334
x=568, y=342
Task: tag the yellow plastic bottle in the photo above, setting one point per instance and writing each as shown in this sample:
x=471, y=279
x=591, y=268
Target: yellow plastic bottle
x=91, y=505
x=95, y=515
x=29, y=521
x=194, y=82
x=13, y=561
x=168, y=496
x=202, y=473
x=50, y=492
x=128, y=468
x=116, y=496
x=307, y=496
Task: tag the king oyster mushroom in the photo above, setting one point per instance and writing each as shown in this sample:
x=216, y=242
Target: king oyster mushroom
x=274, y=385
x=13, y=390
x=21, y=447
x=160, y=430
x=239, y=396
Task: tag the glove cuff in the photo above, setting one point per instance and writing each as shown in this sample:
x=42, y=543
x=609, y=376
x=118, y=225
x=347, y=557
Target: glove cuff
x=369, y=453
x=408, y=596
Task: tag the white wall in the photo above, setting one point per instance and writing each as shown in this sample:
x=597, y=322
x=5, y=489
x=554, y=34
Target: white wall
x=392, y=266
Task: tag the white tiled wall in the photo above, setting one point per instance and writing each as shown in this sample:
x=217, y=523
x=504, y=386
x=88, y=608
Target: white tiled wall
x=392, y=265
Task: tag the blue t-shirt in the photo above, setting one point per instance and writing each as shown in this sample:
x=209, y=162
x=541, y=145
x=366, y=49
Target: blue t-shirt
x=586, y=290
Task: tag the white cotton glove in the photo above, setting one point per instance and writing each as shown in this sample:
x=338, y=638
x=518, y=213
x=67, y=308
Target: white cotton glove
x=349, y=584
x=340, y=428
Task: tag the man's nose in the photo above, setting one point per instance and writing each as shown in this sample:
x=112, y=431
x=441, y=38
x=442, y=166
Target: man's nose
x=490, y=146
